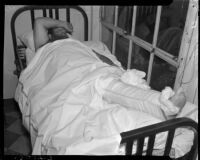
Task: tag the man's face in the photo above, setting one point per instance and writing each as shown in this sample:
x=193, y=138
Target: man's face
x=58, y=33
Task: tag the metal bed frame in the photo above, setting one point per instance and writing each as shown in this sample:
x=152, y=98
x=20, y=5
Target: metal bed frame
x=18, y=58
x=128, y=137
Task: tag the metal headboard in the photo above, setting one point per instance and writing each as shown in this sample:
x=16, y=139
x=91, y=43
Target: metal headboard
x=44, y=8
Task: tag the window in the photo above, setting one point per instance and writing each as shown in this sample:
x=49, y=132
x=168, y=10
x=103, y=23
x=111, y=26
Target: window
x=146, y=38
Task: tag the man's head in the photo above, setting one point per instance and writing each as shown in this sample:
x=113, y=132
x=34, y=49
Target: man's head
x=57, y=33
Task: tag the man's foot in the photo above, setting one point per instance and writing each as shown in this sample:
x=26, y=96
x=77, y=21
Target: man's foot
x=179, y=98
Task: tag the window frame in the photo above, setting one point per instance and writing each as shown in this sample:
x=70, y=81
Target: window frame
x=152, y=48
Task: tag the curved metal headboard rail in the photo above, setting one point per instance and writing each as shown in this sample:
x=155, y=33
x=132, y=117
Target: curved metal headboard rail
x=32, y=8
x=169, y=125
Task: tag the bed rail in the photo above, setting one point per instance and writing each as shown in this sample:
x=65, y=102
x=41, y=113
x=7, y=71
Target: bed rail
x=151, y=131
x=44, y=9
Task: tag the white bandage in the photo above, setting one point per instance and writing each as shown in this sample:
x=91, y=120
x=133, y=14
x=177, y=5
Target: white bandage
x=168, y=107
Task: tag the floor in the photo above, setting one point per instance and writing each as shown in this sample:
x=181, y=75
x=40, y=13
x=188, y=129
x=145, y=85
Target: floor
x=16, y=138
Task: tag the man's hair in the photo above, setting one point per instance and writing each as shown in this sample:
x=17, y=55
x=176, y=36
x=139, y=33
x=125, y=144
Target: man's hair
x=54, y=36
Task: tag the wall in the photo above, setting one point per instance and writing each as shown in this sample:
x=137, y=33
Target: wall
x=96, y=25
x=106, y=34
x=187, y=75
x=9, y=79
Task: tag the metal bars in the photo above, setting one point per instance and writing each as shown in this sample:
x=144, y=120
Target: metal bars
x=31, y=9
x=50, y=13
x=132, y=34
x=44, y=12
x=114, y=33
x=155, y=37
x=169, y=141
x=129, y=147
x=56, y=13
x=152, y=48
x=151, y=131
x=32, y=18
x=150, y=145
x=140, y=144
x=157, y=51
x=68, y=14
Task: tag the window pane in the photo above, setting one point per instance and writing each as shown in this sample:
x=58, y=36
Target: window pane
x=163, y=74
x=107, y=36
x=109, y=14
x=121, y=53
x=145, y=22
x=140, y=59
x=125, y=14
x=171, y=27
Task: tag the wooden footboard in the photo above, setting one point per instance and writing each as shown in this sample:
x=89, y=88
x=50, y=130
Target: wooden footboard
x=139, y=135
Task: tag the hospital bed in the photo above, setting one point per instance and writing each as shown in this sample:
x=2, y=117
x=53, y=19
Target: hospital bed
x=137, y=136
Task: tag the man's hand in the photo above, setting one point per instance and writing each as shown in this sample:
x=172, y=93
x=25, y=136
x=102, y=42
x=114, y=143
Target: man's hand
x=69, y=27
x=41, y=27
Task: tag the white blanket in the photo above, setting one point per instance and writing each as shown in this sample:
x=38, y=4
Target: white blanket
x=62, y=105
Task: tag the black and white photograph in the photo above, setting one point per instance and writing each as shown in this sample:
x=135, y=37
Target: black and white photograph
x=101, y=80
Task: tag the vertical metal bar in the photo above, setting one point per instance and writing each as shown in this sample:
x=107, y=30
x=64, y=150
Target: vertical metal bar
x=150, y=9
x=32, y=18
x=127, y=19
x=140, y=145
x=102, y=12
x=147, y=10
x=142, y=10
x=91, y=30
x=114, y=33
x=56, y=13
x=44, y=13
x=150, y=67
x=170, y=138
x=100, y=19
x=155, y=10
x=132, y=34
x=50, y=13
x=150, y=144
x=155, y=36
x=68, y=15
x=129, y=147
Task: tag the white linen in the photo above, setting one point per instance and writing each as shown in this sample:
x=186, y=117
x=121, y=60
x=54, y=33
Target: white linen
x=169, y=108
x=147, y=101
x=135, y=77
x=62, y=105
x=50, y=89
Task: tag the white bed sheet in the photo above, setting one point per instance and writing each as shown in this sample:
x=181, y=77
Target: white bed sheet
x=47, y=94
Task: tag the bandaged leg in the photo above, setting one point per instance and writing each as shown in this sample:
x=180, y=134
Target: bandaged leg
x=148, y=101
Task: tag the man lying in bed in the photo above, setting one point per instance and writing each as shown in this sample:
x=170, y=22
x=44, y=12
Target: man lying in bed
x=48, y=30
x=75, y=98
